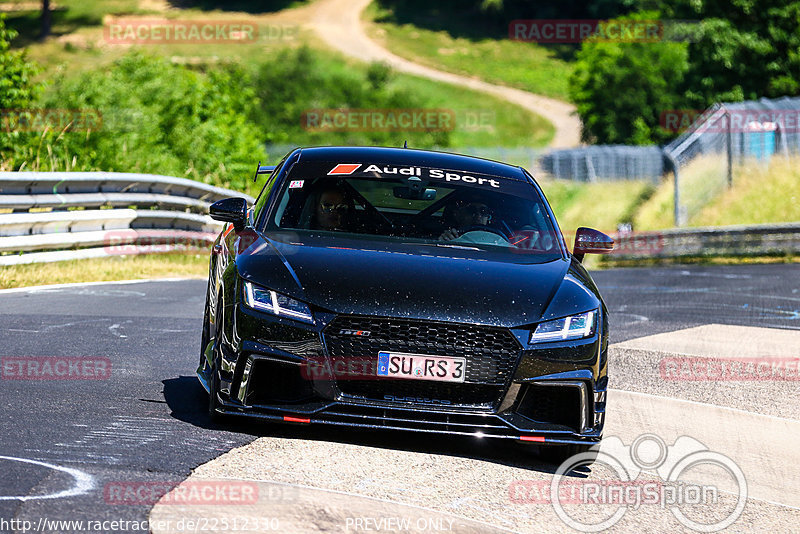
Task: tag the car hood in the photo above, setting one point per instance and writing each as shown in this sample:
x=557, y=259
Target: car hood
x=421, y=282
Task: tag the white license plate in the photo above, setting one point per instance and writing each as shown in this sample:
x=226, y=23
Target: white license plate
x=421, y=367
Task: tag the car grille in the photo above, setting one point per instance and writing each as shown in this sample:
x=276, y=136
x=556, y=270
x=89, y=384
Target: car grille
x=491, y=355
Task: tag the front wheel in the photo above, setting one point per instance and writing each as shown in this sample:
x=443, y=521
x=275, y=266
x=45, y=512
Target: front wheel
x=213, y=368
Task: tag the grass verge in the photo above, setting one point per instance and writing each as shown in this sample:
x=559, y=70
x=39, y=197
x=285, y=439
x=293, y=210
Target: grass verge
x=495, y=59
x=481, y=120
x=597, y=205
x=761, y=194
x=608, y=262
x=105, y=269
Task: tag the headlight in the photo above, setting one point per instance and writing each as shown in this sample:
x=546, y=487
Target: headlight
x=270, y=301
x=572, y=327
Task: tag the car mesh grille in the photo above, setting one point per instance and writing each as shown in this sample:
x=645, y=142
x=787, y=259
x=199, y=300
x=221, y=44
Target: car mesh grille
x=491, y=355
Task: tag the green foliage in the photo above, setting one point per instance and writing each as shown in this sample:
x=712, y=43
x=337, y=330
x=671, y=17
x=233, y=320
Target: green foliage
x=17, y=88
x=746, y=49
x=621, y=89
x=378, y=75
x=296, y=82
x=209, y=124
x=160, y=118
x=742, y=50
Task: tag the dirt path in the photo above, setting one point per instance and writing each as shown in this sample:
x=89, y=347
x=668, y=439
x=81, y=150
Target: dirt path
x=338, y=23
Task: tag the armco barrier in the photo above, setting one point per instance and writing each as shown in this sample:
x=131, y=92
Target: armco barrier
x=745, y=240
x=55, y=216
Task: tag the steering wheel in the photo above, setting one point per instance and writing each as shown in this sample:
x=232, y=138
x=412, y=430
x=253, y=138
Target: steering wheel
x=484, y=228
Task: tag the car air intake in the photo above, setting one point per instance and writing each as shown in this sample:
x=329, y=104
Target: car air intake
x=553, y=404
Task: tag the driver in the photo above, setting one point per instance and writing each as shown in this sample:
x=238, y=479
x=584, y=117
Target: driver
x=331, y=209
x=467, y=211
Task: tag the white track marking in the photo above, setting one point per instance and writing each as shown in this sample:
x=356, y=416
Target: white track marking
x=83, y=484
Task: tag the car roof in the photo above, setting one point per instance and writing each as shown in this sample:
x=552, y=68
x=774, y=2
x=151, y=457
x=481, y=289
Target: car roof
x=412, y=157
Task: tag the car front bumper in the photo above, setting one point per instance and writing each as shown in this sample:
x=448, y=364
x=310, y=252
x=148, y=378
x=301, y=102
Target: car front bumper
x=549, y=394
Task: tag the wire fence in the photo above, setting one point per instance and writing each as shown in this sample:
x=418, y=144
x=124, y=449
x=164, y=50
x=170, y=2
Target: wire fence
x=604, y=163
x=725, y=137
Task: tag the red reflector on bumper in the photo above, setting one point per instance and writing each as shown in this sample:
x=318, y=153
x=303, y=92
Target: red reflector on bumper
x=295, y=419
x=539, y=439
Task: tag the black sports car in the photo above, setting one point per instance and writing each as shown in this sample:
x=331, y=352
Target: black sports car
x=405, y=289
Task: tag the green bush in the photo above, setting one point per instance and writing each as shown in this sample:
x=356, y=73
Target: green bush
x=159, y=118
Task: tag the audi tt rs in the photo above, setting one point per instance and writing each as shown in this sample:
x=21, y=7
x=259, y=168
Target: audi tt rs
x=405, y=289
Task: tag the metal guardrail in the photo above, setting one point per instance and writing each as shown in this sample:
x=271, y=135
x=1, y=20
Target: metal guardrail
x=63, y=232
x=95, y=214
x=743, y=240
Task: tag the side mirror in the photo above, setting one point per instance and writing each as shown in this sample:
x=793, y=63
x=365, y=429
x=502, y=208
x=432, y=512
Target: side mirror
x=590, y=241
x=232, y=210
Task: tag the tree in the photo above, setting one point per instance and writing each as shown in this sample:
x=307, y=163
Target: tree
x=621, y=89
x=46, y=20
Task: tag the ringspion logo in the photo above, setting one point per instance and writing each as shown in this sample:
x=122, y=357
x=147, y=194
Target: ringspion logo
x=647, y=473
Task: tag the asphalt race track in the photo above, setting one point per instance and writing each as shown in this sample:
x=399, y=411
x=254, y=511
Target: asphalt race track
x=66, y=444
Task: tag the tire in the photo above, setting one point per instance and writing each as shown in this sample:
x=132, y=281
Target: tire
x=557, y=454
x=213, y=383
x=213, y=402
x=205, y=339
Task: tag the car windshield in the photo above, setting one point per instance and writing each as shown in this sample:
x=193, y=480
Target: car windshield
x=419, y=206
